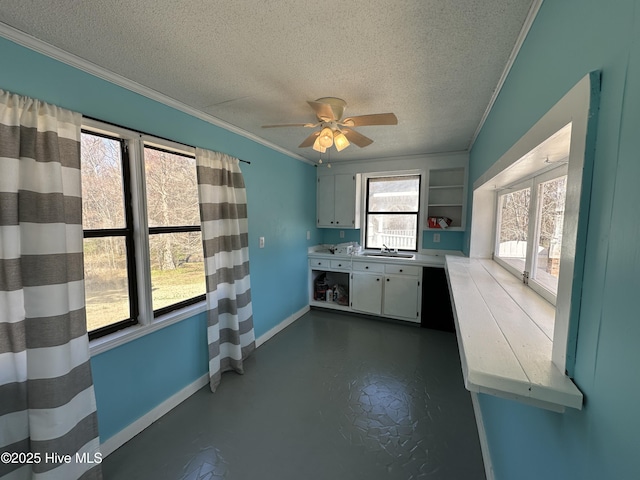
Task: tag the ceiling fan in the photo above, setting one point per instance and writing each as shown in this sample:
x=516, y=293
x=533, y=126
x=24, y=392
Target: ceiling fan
x=334, y=130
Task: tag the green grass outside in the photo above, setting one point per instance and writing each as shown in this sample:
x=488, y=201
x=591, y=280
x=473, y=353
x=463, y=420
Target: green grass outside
x=109, y=305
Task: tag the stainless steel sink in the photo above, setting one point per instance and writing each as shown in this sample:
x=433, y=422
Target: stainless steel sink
x=389, y=254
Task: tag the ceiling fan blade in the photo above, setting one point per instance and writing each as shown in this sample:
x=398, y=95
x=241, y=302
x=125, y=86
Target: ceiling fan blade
x=308, y=125
x=357, y=138
x=324, y=111
x=309, y=140
x=373, y=119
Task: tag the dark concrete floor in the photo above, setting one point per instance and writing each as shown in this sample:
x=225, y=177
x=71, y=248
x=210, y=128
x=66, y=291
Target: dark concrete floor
x=332, y=397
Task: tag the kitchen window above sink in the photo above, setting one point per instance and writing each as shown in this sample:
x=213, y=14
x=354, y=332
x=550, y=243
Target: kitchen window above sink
x=392, y=213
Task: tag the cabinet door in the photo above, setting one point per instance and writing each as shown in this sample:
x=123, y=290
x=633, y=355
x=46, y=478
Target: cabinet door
x=401, y=296
x=326, y=201
x=366, y=293
x=345, y=201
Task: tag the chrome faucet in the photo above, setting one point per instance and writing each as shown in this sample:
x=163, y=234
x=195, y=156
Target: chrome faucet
x=385, y=248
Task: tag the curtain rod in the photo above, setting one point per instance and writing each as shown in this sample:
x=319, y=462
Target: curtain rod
x=150, y=134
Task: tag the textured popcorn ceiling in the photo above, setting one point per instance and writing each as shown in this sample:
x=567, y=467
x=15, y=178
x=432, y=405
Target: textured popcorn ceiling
x=434, y=63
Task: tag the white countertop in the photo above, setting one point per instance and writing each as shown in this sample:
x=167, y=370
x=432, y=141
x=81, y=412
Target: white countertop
x=431, y=259
x=434, y=258
x=502, y=329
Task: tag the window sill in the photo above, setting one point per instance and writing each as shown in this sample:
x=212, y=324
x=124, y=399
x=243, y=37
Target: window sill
x=113, y=340
x=504, y=334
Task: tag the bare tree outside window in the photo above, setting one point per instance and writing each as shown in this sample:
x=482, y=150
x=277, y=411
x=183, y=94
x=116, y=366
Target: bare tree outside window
x=552, y=199
x=534, y=250
x=514, y=227
x=175, y=242
x=107, y=284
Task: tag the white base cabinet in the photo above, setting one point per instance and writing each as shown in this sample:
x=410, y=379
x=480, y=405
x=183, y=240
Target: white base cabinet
x=366, y=292
x=400, y=297
x=389, y=290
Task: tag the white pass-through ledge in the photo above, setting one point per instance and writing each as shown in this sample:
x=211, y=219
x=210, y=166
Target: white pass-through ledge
x=505, y=333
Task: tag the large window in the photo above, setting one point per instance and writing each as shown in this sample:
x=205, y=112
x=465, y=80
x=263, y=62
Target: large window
x=175, y=243
x=393, y=212
x=142, y=246
x=110, y=272
x=566, y=133
x=529, y=230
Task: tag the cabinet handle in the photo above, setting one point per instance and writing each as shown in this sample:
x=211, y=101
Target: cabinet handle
x=387, y=279
x=366, y=268
x=400, y=270
x=319, y=263
x=337, y=222
x=339, y=264
x=377, y=279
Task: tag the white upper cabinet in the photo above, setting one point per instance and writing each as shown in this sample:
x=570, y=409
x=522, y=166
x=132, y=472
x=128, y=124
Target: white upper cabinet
x=325, y=201
x=338, y=201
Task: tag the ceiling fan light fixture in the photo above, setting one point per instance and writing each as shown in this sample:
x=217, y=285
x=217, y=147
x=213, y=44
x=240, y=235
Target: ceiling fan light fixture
x=326, y=137
x=340, y=140
x=329, y=112
x=317, y=146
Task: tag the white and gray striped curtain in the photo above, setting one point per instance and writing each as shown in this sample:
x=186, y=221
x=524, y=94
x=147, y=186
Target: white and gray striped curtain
x=223, y=212
x=47, y=400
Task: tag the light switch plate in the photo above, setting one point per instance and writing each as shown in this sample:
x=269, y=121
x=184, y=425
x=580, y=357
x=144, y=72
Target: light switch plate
x=436, y=238
x=261, y=242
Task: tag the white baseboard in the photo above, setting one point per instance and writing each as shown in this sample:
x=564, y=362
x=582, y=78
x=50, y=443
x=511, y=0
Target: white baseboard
x=281, y=326
x=123, y=436
x=482, y=435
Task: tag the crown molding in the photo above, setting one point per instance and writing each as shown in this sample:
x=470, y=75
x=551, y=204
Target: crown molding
x=526, y=26
x=40, y=46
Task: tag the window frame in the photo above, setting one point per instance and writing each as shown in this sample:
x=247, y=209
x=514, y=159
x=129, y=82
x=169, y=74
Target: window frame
x=532, y=182
x=577, y=110
x=418, y=213
x=147, y=321
x=171, y=229
x=126, y=232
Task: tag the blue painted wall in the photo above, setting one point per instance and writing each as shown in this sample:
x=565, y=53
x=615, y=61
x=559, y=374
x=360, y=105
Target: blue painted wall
x=332, y=235
x=134, y=378
x=449, y=240
x=570, y=38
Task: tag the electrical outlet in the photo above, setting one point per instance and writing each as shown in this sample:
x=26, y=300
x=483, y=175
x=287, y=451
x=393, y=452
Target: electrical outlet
x=341, y=233
x=261, y=242
x=308, y=235
x=436, y=238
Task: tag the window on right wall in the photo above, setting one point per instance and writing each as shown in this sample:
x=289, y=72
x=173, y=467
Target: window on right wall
x=564, y=134
x=529, y=222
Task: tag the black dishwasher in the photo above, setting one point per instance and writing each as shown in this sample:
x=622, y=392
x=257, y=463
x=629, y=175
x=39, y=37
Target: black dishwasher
x=436, y=302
